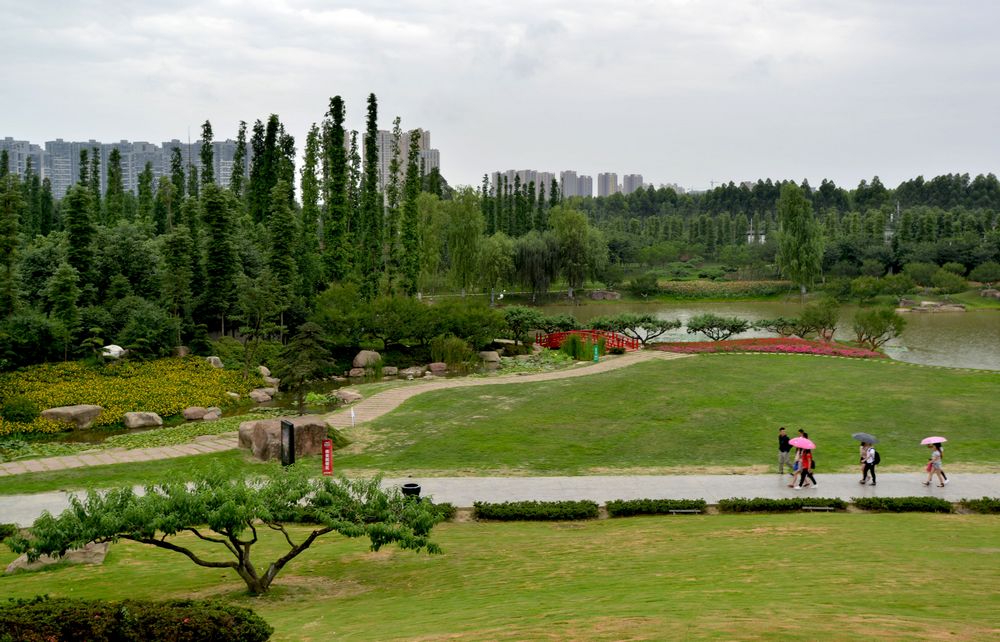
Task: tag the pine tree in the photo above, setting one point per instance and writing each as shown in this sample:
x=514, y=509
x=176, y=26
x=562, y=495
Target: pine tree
x=4, y=163
x=189, y=216
x=554, y=194
x=32, y=198
x=192, y=179
x=393, y=258
x=115, y=193
x=264, y=167
x=221, y=262
x=62, y=295
x=80, y=231
x=371, y=209
x=145, y=201
x=239, y=162
x=175, y=282
x=84, y=167
x=177, y=173
x=307, y=249
x=12, y=206
x=285, y=169
x=541, y=221
x=410, y=224
x=487, y=206
x=94, y=182
x=281, y=258
x=164, y=205
x=337, y=203
x=207, y=154
x=46, y=209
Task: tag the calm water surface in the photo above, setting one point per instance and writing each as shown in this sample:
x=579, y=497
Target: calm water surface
x=957, y=339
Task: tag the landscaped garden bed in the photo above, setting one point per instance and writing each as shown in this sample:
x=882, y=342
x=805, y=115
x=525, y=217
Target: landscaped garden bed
x=785, y=345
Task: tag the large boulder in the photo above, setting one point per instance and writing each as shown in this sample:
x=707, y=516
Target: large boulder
x=409, y=373
x=259, y=395
x=194, y=413
x=390, y=371
x=356, y=372
x=181, y=351
x=215, y=361
x=990, y=293
x=264, y=371
x=366, y=359
x=112, y=351
x=438, y=367
x=605, y=295
x=81, y=416
x=263, y=437
x=92, y=553
x=272, y=382
x=347, y=396
x=142, y=419
x=212, y=414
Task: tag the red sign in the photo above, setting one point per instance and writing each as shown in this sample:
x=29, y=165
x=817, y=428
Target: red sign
x=328, y=457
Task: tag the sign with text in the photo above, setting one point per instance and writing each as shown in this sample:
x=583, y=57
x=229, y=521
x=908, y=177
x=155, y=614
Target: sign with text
x=328, y=457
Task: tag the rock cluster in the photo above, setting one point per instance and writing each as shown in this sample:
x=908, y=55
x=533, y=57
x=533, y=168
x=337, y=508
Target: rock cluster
x=263, y=437
x=81, y=415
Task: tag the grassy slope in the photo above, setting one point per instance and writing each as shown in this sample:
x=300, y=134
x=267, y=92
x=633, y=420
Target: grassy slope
x=847, y=576
x=708, y=412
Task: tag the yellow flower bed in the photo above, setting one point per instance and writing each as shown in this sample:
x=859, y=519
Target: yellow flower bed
x=39, y=425
x=165, y=386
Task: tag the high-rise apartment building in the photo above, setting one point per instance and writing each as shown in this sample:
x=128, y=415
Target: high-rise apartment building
x=631, y=182
x=568, y=183
x=19, y=153
x=585, y=186
x=607, y=184
x=428, y=159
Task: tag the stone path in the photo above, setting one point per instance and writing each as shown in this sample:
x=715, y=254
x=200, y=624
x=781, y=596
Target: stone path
x=365, y=410
x=463, y=491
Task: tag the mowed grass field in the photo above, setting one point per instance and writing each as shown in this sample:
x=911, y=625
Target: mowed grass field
x=719, y=577
x=708, y=413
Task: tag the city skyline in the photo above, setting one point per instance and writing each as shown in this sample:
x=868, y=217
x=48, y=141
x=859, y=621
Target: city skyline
x=689, y=93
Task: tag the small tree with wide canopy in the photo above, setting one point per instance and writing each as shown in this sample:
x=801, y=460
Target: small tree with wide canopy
x=717, y=328
x=228, y=513
x=643, y=327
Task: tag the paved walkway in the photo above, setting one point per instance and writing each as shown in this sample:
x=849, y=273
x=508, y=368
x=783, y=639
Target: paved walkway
x=365, y=410
x=463, y=491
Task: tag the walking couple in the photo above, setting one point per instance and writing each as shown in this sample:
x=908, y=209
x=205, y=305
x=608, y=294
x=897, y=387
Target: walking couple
x=804, y=464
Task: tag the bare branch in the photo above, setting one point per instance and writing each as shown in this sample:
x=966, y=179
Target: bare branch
x=216, y=540
x=281, y=527
x=179, y=549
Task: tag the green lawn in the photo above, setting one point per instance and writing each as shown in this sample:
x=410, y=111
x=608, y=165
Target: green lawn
x=749, y=577
x=707, y=413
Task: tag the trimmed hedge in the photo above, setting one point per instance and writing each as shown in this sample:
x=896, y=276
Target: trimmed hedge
x=986, y=505
x=536, y=511
x=765, y=505
x=628, y=507
x=445, y=510
x=8, y=530
x=44, y=619
x=903, y=504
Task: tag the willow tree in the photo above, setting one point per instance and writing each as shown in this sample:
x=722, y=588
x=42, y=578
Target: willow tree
x=800, y=239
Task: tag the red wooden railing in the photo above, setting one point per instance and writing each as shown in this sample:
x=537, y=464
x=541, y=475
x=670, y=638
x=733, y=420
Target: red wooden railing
x=611, y=339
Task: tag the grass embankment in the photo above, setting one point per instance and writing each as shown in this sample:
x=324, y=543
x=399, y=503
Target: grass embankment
x=793, y=577
x=710, y=413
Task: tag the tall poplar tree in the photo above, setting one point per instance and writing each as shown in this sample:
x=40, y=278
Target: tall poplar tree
x=221, y=262
x=410, y=223
x=11, y=207
x=145, y=201
x=164, y=205
x=94, y=182
x=239, y=162
x=393, y=197
x=46, y=209
x=281, y=257
x=336, y=197
x=62, y=295
x=84, y=167
x=371, y=209
x=307, y=243
x=193, y=186
x=207, y=154
x=177, y=173
x=800, y=241
x=114, y=196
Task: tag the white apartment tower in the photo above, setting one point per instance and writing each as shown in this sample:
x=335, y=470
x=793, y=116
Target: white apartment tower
x=631, y=182
x=607, y=184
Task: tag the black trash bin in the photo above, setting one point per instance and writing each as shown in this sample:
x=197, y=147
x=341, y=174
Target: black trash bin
x=411, y=490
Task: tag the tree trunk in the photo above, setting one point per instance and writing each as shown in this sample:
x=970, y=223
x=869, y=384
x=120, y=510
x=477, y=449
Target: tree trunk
x=802, y=292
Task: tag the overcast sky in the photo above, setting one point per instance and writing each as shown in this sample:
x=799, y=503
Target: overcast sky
x=678, y=91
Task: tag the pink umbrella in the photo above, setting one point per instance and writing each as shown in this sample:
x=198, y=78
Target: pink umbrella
x=802, y=442
x=928, y=440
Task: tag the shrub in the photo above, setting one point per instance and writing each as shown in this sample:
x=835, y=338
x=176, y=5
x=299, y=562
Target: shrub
x=988, y=272
x=717, y=328
x=864, y=288
x=948, y=282
x=19, y=408
x=452, y=350
x=765, y=505
x=986, y=505
x=874, y=327
x=44, y=618
x=903, y=504
x=898, y=284
x=954, y=268
x=628, y=507
x=8, y=530
x=572, y=345
x=444, y=510
x=536, y=511
x=921, y=273
x=616, y=350
x=644, y=285
x=559, y=323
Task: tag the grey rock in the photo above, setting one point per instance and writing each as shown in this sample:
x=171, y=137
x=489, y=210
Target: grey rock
x=272, y=382
x=356, y=372
x=490, y=356
x=233, y=395
x=213, y=414
x=90, y=554
x=390, y=371
x=366, y=359
x=215, y=361
x=142, y=419
x=181, y=351
x=605, y=295
x=194, y=413
x=347, y=396
x=438, y=367
x=263, y=437
x=264, y=371
x=415, y=371
x=81, y=415
x=269, y=390
x=112, y=351
x=259, y=396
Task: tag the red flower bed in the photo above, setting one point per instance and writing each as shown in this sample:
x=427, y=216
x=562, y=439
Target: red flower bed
x=779, y=344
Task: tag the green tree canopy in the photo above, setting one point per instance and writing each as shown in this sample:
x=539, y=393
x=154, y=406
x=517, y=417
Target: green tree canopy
x=800, y=241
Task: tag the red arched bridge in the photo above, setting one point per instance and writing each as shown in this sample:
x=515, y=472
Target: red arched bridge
x=611, y=339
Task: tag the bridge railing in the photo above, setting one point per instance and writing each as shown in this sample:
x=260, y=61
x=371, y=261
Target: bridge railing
x=611, y=339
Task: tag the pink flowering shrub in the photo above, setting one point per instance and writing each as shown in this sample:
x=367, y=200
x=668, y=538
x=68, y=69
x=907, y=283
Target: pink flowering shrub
x=785, y=345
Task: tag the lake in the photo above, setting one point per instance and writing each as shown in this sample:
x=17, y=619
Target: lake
x=956, y=339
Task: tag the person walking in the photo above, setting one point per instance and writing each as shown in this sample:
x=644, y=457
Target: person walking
x=934, y=466
x=783, y=451
x=807, y=468
x=869, y=462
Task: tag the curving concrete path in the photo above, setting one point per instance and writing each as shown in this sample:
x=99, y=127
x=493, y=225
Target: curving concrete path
x=365, y=410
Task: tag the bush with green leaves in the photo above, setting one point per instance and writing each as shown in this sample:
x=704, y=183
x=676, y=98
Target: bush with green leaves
x=559, y=323
x=767, y=505
x=921, y=273
x=8, y=530
x=819, y=319
x=897, y=284
x=629, y=507
x=644, y=285
x=717, y=328
x=948, y=282
x=642, y=327
x=20, y=409
x=903, y=504
x=536, y=511
x=985, y=505
x=874, y=327
x=451, y=350
x=44, y=618
x=520, y=319
x=955, y=268
x=865, y=288
x=988, y=272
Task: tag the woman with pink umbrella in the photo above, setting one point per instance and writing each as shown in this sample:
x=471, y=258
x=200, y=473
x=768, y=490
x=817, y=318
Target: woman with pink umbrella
x=934, y=464
x=807, y=465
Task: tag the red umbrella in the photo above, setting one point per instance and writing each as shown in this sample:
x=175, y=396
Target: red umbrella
x=802, y=442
